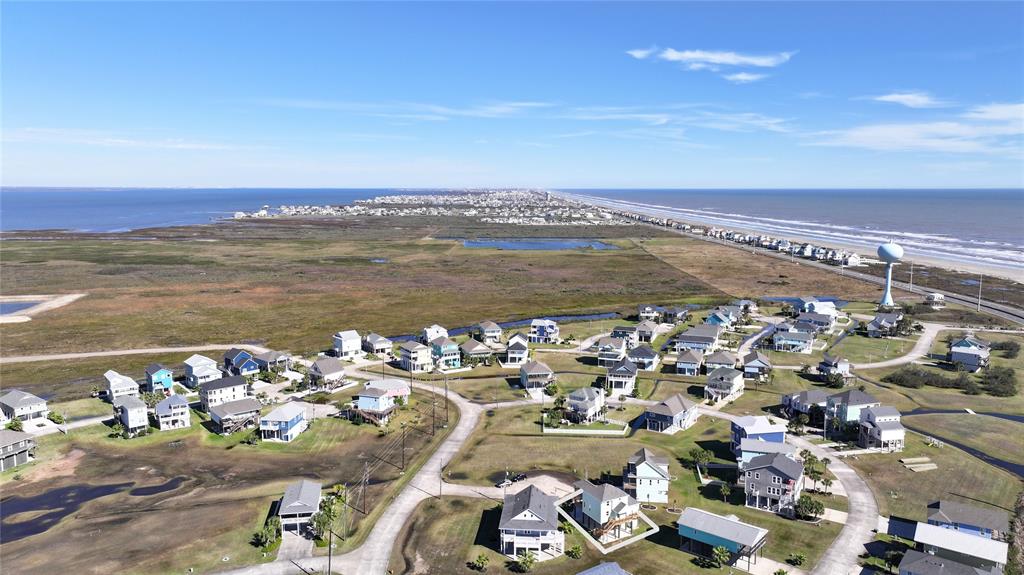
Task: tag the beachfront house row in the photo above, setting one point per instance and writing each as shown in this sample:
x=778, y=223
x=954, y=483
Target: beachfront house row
x=880, y=428
x=431, y=333
x=585, y=404
x=487, y=332
x=240, y=362
x=200, y=369
x=719, y=359
x=159, y=379
x=792, y=341
x=517, y=352
x=756, y=365
x=445, y=353
x=985, y=522
x=415, y=357
x=846, y=406
x=132, y=414
x=16, y=448
x=327, y=371
x=347, y=344
x=222, y=390
x=300, y=502
x=17, y=404
x=645, y=477
x=235, y=415
x=834, y=365
x=723, y=384
x=773, y=482
x=544, y=331
x=700, y=532
x=755, y=427
x=534, y=376
x=689, y=362
x=284, y=423
x=702, y=338
x=172, y=413
x=621, y=378
x=529, y=523
x=884, y=324
x=610, y=350
x=645, y=358
x=676, y=413
x=646, y=331
x=606, y=511
x=970, y=352
x=120, y=386
x=473, y=349
x=377, y=345
x=627, y=333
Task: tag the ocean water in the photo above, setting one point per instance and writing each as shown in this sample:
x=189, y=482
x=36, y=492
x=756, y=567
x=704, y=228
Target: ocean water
x=972, y=226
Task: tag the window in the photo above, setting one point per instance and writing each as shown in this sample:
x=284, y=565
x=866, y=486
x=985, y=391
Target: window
x=777, y=480
x=757, y=475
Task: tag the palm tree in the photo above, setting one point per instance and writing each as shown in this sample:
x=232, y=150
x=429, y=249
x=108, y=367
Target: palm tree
x=725, y=491
x=720, y=555
x=827, y=482
x=526, y=561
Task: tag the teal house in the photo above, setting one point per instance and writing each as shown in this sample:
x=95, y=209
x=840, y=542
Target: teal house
x=158, y=379
x=701, y=531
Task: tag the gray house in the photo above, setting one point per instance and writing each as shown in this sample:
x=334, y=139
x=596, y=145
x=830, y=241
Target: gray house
x=773, y=482
x=916, y=563
x=689, y=362
x=535, y=375
x=15, y=448
x=236, y=415
x=529, y=522
x=720, y=359
x=301, y=500
x=675, y=413
x=804, y=402
x=644, y=357
x=970, y=352
x=488, y=332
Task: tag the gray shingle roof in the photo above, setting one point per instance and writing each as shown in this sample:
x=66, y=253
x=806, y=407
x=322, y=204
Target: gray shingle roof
x=535, y=368
x=956, y=512
x=852, y=397
x=690, y=356
x=756, y=356
x=10, y=437
x=301, y=497
x=153, y=368
x=779, y=462
x=924, y=564
x=129, y=402
x=660, y=464
x=226, y=410
x=536, y=502
x=672, y=406
x=723, y=374
x=165, y=405
x=18, y=398
x=224, y=383
x=602, y=492
x=623, y=367
x=723, y=357
x=605, y=569
x=643, y=352
x=412, y=345
x=326, y=365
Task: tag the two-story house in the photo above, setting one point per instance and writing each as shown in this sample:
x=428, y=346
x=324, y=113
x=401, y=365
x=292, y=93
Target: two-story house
x=517, y=352
x=347, y=344
x=300, y=502
x=284, y=423
x=689, y=362
x=676, y=413
x=606, y=511
x=985, y=522
x=970, y=352
x=719, y=359
x=378, y=345
x=755, y=427
x=880, y=428
x=132, y=414
x=756, y=365
x=811, y=402
x=327, y=371
x=488, y=332
x=200, y=369
x=621, y=378
x=535, y=376
x=375, y=404
x=628, y=334
x=845, y=406
x=610, y=350
x=21, y=405
x=529, y=523
x=544, y=331
x=120, y=386
x=585, y=404
x=240, y=362
x=159, y=379
x=702, y=338
x=645, y=477
x=16, y=448
x=445, y=353
x=723, y=384
x=645, y=358
x=431, y=333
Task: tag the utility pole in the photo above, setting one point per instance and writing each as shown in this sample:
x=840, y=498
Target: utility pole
x=981, y=277
x=911, y=276
x=405, y=431
x=446, y=399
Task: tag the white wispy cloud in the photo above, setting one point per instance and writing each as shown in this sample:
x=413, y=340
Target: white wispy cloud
x=725, y=58
x=692, y=115
x=413, y=110
x=109, y=139
x=987, y=129
x=911, y=99
x=642, y=53
x=744, y=77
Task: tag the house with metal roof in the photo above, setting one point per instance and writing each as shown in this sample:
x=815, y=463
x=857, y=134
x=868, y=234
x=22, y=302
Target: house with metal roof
x=377, y=345
x=529, y=522
x=645, y=358
x=621, y=378
x=880, y=428
x=488, y=332
x=972, y=519
x=16, y=448
x=961, y=546
x=723, y=384
x=131, y=412
x=773, y=482
x=645, y=477
x=675, y=413
x=18, y=404
x=284, y=423
x=755, y=427
x=701, y=531
x=172, y=413
x=300, y=502
x=585, y=404
x=200, y=369
x=120, y=385
x=347, y=344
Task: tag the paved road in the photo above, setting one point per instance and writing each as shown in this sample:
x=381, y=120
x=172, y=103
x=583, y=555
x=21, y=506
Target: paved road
x=136, y=351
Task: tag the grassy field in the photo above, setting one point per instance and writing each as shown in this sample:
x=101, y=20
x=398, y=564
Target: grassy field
x=905, y=493
x=226, y=492
x=863, y=349
x=999, y=437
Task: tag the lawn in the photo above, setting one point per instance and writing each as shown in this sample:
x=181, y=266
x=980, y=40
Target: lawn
x=905, y=493
x=863, y=349
x=1002, y=438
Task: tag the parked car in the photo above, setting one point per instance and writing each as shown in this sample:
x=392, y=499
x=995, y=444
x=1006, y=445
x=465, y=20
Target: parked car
x=503, y=483
x=518, y=477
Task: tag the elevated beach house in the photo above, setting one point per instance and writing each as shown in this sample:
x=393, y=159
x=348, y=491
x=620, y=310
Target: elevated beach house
x=222, y=390
x=700, y=532
x=474, y=350
x=606, y=511
x=647, y=312
x=969, y=352
x=446, y=353
x=487, y=332
x=377, y=345
x=677, y=412
x=884, y=324
x=773, y=482
x=756, y=365
x=645, y=358
x=987, y=522
x=16, y=448
x=272, y=360
x=431, y=333
x=534, y=376
x=915, y=562
x=689, y=362
x=646, y=331
x=627, y=333
x=21, y=405
x=832, y=365
x=621, y=378
x=702, y=338
x=132, y=414
x=159, y=379
x=327, y=371
x=880, y=428
x=235, y=415
x=544, y=331
x=610, y=350
x=755, y=427
x=347, y=344
x=585, y=404
x=375, y=405
x=517, y=352
x=415, y=357
x=529, y=523
x=172, y=413
x=240, y=362
x=822, y=322
x=120, y=386
x=396, y=388
x=792, y=341
x=962, y=547
x=811, y=402
x=846, y=406
x=300, y=502
x=645, y=477
x=723, y=384
x=719, y=359
x=200, y=369
x=284, y=423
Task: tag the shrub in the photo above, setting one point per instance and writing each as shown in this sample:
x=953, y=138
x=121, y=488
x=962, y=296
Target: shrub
x=1011, y=348
x=1000, y=381
x=15, y=425
x=55, y=417
x=574, y=552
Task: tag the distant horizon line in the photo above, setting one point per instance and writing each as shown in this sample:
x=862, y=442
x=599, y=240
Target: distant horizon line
x=482, y=188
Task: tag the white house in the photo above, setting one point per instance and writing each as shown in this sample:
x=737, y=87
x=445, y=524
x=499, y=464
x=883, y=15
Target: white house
x=327, y=371
x=544, y=331
x=724, y=383
x=534, y=375
x=347, y=344
x=17, y=404
x=608, y=512
x=880, y=428
x=646, y=477
x=970, y=352
x=375, y=404
x=300, y=502
x=488, y=332
x=173, y=413
x=610, y=350
x=223, y=390
x=377, y=345
x=517, y=352
x=132, y=414
x=529, y=523
x=415, y=357
x=120, y=386
x=200, y=369
x=431, y=333
x=397, y=389
x=585, y=404
x=621, y=378
x=627, y=333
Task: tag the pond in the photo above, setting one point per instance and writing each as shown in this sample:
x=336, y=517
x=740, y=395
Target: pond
x=549, y=244
x=56, y=503
x=10, y=307
x=169, y=485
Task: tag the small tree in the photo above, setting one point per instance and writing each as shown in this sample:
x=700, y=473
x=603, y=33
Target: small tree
x=151, y=399
x=117, y=430
x=15, y=425
x=809, y=507
x=796, y=559
x=700, y=457
x=725, y=491
x=827, y=482
x=781, y=572
x=574, y=552
x=480, y=563
x=721, y=555
x=55, y=417
x=526, y=562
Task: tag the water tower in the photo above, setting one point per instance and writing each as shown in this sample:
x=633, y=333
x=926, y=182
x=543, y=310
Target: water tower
x=889, y=253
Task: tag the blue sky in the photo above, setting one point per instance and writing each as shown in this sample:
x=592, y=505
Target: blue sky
x=513, y=94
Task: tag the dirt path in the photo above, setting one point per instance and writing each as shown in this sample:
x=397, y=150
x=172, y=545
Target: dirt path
x=137, y=351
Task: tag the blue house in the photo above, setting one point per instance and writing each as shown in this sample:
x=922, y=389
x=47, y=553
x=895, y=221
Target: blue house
x=284, y=423
x=375, y=404
x=719, y=319
x=446, y=353
x=240, y=362
x=756, y=427
x=981, y=521
x=701, y=531
x=158, y=379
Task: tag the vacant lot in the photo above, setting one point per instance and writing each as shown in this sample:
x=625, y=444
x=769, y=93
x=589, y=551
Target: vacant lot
x=1000, y=437
x=224, y=493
